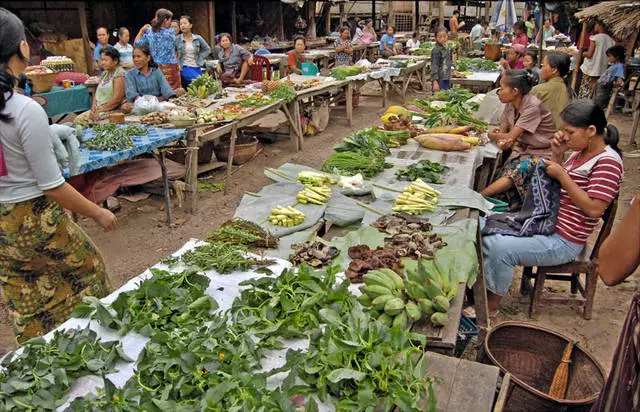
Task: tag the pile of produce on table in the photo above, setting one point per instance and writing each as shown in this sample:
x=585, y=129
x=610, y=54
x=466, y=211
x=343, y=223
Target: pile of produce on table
x=110, y=137
x=351, y=182
x=310, y=178
x=286, y=216
x=243, y=232
x=452, y=113
x=424, y=49
x=417, y=198
x=457, y=96
x=317, y=195
x=364, y=259
x=428, y=171
x=315, y=254
x=342, y=72
x=465, y=64
x=205, y=86
x=222, y=256
x=402, y=223
x=415, y=245
x=155, y=118
x=190, y=102
x=305, y=84
x=352, y=163
x=283, y=92
x=400, y=302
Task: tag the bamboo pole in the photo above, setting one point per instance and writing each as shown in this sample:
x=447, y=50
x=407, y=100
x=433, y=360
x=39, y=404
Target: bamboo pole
x=441, y=13
x=212, y=23
x=580, y=45
x=311, y=16
x=234, y=27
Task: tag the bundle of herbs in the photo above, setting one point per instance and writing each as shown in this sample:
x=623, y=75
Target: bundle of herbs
x=428, y=171
x=110, y=137
x=352, y=163
x=243, y=232
x=223, y=257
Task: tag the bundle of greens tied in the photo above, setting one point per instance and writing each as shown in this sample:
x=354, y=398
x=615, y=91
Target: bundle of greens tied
x=110, y=137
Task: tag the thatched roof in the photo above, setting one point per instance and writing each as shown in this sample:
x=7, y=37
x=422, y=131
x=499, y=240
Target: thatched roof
x=621, y=17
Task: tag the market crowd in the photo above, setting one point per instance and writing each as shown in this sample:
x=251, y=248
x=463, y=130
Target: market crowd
x=544, y=130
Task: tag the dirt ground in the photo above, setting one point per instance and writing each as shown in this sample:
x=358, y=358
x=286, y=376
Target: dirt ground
x=142, y=238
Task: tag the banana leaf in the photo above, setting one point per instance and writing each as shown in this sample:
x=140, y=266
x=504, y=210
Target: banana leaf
x=365, y=235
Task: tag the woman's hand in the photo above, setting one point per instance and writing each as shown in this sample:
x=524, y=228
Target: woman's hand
x=105, y=219
x=94, y=115
x=219, y=69
x=493, y=134
x=145, y=27
x=505, y=142
x=559, y=145
x=554, y=170
x=436, y=86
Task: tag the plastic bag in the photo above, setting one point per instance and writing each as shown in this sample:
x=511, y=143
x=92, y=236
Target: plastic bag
x=145, y=105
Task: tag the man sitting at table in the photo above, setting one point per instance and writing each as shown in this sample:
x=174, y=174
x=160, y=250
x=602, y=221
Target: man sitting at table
x=145, y=79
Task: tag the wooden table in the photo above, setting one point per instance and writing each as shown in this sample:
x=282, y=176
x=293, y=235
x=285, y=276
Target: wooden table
x=461, y=385
x=406, y=75
x=295, y=106
x=321, y=57
x=478, y=82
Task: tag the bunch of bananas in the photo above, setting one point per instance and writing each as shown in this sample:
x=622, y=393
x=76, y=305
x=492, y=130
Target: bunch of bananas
x=432, y=290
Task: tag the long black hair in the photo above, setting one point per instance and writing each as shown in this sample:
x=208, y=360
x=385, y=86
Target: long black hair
x=585, y=113
x=145, y=50
x=519, y=79
x=11, y=35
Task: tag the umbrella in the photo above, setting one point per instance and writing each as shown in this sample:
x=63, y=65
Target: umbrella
x=504, y=16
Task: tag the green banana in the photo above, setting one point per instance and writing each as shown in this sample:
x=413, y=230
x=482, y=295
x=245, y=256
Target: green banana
x=379, y=302
x=394, y=306
x=439, y=319
x=364, y=300
x=401, y=321
x=397, y=280
x=377, y=278
x=441, y=304
x=432, y=289
x=374, y=291
x=413, y=312
x=426, y=307
x=386, y=320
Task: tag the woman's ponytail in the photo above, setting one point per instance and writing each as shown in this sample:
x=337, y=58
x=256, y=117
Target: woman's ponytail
x=11, y=35
x=162, y=15
x=612, y=138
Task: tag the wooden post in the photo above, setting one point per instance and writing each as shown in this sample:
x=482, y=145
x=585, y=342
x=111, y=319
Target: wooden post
x=234, y=28
x=343, y=15
x=373, y=13
x=212, y=23
x=416, y=22
x=580, y=45
x=540, y=30
x=487, y=10
x=632, y=42
x=280, y=22
x=311, y=16
x=441, y=13
x=82, y=16
x=326, y=13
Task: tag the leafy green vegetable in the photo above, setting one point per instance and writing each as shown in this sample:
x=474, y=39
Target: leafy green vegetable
x=284, y=92
x=205, y=85
x=221, y=256
x=453, y=113
x=110, y=137
x=351, y=163
x=369, y=142
x=476, y=65
x=428, y=171
x=39, y=377
x=456, y=96
x=342, y=72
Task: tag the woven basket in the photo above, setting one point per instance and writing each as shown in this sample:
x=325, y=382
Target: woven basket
x=242, y=154
x=42, y=83
x=531, y=355
x=492, y=52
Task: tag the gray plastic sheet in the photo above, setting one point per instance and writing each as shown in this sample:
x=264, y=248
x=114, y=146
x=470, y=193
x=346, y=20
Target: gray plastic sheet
x=292, y=169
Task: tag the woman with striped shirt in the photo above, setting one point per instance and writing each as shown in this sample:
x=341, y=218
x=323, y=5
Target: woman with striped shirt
x=590, y=180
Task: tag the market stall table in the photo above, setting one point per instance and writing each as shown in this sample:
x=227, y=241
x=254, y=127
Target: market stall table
x=320, y=57
x=62, y=102
x=417, y=69
x=279, y=61
x=478, y=82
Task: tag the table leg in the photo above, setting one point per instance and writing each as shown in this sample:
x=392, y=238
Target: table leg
x=349, y=103
x=165, y=184
x=480, y=290
x=295, y=114
x=383, y=86
x=636, y=118
x=232, y=149
x=294, y=131
x=191, y=163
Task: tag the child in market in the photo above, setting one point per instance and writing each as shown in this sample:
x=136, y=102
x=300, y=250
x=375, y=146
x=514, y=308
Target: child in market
x=441, y=62
x=612, y=76
x=530, y=62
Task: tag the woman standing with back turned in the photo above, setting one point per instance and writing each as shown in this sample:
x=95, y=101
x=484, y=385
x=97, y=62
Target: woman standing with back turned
x=47, y=262
x=161, y=39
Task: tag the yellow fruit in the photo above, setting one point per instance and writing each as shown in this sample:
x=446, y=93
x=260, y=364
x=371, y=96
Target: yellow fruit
x=389, y=119
x=398, y=110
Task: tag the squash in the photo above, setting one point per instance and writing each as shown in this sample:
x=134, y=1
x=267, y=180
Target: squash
x=443, y=142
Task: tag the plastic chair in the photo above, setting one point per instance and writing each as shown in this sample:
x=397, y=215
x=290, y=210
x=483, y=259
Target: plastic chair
x=309, y=69
x=586, y=263
x=257, y=68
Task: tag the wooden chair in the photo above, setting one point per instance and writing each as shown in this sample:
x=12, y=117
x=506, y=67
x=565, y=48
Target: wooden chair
x=257, y=71
x=586, y=262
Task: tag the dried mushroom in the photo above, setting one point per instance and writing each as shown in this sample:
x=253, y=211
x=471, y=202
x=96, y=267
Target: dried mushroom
x=314, y=254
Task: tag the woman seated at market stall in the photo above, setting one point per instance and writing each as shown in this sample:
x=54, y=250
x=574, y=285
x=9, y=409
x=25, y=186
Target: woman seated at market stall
x=514, y=59
x=520, y=34
x=110, y=92
x=234, y=61
x=526, y=128
x=344, y=51
x=145, y=79
x=554, y=92
x=192, y=50
x=294, y=58
x=590, y=181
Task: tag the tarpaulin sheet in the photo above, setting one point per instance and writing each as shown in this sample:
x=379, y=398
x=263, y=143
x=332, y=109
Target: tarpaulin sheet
x=291, y=170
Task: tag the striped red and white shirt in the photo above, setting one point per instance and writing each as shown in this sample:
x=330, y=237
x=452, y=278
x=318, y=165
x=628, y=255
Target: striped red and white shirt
x=600, y=177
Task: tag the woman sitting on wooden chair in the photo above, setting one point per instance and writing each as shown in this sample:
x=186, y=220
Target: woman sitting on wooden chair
x=590, y=180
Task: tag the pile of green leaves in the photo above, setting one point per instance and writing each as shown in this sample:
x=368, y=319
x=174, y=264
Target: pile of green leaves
x=243, y=232
x=370, y=142
x=363, y=364
x=465, y=64
x=424, y=49
x=39, y=377
x=456, y=96
x=205, y=85
x=110, y=137
x=428, y=171
x=289, y=304
x=284, y=92
x=453, y=113
x=256, y=101
x=160, y=304
x=223, y=257
x=342, y=72
x=352, y=163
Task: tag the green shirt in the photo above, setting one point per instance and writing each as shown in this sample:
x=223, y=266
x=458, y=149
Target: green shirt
x=554, y=95
x=530, y=28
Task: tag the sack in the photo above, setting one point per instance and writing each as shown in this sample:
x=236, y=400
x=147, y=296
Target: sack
x=146, y=104
x=320, y=116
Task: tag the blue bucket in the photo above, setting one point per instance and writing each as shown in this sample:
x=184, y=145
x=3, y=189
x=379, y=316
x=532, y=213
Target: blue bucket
x=309, y=69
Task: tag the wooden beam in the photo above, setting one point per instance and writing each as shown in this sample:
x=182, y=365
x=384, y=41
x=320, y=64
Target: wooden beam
x=416, y=20
x=234, y=27
x=311, y=17
x=632, y=42
x=343, y=14
x=212, y=23
x=441, y=13
x=326, y=12
x=580, y=46
x=281, y=21
x=82, y=16
x=487, y=10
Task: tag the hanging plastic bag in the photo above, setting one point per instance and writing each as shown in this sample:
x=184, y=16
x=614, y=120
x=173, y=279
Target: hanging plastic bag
x=145, y=105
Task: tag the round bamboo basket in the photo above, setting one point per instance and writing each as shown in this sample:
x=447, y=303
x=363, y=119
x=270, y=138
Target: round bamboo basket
x=42, y=83
x=531, y=354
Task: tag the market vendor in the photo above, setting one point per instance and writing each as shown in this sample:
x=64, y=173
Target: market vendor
x=110, y=92
x=344, y=51
x=388, y=44
x=145, y=80
x=48, y=262
x=515, y=59
x=554, y=92
x=526, y=128
x=103, y=41
x=192, y=50
x=234, y=61
x=294, y=58
x=590, y=181
x=161, y=40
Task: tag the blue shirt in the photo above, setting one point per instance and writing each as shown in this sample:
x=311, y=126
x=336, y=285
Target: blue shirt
x=388, y=40
x=612, y=73
x=162, y=44
x=96, y=51
x=153, y=84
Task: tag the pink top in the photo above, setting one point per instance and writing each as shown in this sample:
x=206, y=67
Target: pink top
x=519, y=64
x=521, y=39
